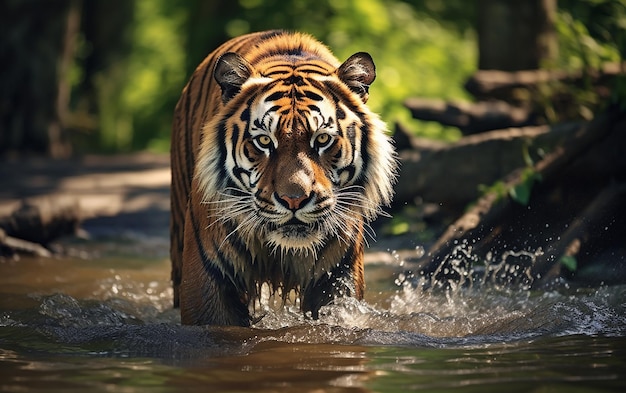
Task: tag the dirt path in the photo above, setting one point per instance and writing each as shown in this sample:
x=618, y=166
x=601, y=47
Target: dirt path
x=115, y=193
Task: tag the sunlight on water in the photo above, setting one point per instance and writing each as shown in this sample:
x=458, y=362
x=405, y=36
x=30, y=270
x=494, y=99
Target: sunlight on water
x=465, y=313
x=69, y=315
x=493, y=300
x=470, y=302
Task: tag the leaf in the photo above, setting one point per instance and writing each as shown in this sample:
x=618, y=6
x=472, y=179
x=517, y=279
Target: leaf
x=569, y=262
x=521, y=192
x=399, y=228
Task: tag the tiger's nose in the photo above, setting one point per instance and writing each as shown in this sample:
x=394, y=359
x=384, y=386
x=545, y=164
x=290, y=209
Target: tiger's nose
x=293, y=202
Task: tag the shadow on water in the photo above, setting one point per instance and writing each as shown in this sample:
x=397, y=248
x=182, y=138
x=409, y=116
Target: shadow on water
x=105, y=323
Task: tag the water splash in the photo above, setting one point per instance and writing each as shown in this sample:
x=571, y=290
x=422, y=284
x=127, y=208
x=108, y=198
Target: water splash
x=512, y=269
x=467, y=297
x=114, y=311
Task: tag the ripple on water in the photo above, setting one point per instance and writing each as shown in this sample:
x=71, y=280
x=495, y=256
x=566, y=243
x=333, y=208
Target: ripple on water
x=127, y=313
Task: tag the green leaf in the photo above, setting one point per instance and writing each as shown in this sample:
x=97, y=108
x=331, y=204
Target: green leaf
x=521, y=193
x=569, y=262
x=399, y=228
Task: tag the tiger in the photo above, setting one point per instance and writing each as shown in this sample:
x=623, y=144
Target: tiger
x=278, y=168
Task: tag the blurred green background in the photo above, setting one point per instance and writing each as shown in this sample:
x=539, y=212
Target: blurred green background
x=131, y=58
x=420, y=48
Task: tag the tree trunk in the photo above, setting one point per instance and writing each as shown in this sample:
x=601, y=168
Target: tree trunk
x=207, y=23
x=108, y=33
x=516, y=35
x=36, y=52
x=106, y=27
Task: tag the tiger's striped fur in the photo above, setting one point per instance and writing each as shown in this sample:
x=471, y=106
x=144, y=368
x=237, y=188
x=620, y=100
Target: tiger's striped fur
x=277, y=168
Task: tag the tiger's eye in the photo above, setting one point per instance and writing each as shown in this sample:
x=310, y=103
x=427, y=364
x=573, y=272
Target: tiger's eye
x=264, y=141
x=322, y=140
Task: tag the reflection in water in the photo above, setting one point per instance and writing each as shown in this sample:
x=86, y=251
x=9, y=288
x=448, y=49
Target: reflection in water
x=106, y=322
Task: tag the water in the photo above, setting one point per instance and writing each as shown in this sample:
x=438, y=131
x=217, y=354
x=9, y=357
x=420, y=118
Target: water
x=100, y=319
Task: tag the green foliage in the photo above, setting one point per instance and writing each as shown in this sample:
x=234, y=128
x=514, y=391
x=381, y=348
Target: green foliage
x=135, y=95
x=521, y=191
x=409, y=221
x=578, y=48
x=569, y=262
x=591, y=33
x=415, y=54
x=155, y=74
x=424, y=48
x=498, y=188
x=398, y=227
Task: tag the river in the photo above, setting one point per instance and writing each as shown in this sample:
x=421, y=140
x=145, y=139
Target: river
x=99, y=319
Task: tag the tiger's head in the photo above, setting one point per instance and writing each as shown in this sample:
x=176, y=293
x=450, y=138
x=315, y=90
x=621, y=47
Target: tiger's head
x=293, y=156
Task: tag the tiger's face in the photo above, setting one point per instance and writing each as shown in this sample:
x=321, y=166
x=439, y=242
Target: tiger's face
x=298, y=163
x=295, y=157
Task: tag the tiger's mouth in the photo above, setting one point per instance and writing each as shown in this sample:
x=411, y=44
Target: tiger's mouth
x=294, y=228
x=295, y=234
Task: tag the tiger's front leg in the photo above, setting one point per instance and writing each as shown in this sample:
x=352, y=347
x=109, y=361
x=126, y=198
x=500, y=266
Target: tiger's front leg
x=207, y=297
x=346, y=278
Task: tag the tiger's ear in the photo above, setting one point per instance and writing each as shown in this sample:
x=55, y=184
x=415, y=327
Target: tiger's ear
x=231, y=71
x=358, y=72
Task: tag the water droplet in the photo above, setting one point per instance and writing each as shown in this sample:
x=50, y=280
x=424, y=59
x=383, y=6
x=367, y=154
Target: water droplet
x=419, y=251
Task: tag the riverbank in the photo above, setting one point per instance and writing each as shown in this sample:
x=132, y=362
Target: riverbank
x=114, y=193
x=123, y=196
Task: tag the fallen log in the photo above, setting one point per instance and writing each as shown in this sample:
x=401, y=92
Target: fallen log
x=450, y=174
x=498, y=224
x=597, y=218
x=508, y=86
x=471, y=118
x=20, y=246
x=36, y=223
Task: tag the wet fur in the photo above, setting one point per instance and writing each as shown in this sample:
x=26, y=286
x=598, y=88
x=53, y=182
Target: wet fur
x=235, y=199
